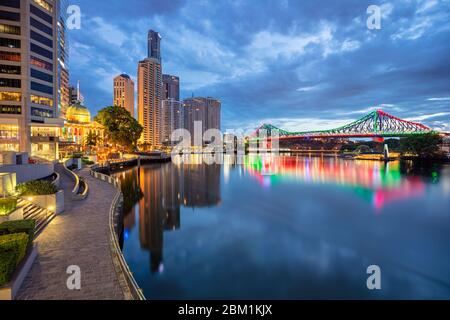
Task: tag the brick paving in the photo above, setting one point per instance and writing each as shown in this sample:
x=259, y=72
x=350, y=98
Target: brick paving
x=79, y=236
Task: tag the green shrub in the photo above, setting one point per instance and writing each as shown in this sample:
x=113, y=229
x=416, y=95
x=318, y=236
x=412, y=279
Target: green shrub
x=7, y=206
x=19, y=226
x=8, y=261
x=16, y=243
x=36, y=188
x=87, y=162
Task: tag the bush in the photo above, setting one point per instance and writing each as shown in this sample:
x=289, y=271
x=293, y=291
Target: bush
x=13, y=248
x=87, y=162
x=7, y=206
x=7, y=266
x=16, y=242
x=36, y=188
x=19, y=226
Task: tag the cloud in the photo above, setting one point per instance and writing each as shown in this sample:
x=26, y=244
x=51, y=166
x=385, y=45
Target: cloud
x=282, y=61
x=428, y=116
x=439, y=99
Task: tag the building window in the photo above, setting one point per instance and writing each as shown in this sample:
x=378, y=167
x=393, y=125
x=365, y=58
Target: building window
x=6, y=28
x=41, y=51
x=11, y=83
x=41, y=63
x=41, y=88
x=11, y=3
x=40, y=26
x=6, y=69
x=39, y=38
x=11, y=16
x=6, y=109
x=10, y=96
x=10, y=56
x=9, y=131
x=42, y=100
x=42, y=113
x=41, y=14
x=10, y=43
x=41, y=76
x=44, y=4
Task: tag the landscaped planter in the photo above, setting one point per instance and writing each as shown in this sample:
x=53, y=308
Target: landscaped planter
x=52, y=202
x=10, y=290
x=17, y=214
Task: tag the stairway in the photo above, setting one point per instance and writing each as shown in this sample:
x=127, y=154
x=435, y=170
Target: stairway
x=40, y=215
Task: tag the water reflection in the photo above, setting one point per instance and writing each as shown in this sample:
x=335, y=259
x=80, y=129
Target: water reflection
x=167, y=188
x=377, y=182
x=252, y=227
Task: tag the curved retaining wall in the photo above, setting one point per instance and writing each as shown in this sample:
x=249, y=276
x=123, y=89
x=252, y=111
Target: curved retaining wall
x=114, y=214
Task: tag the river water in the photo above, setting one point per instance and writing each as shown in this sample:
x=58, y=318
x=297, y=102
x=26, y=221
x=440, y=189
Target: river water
x=287, y=227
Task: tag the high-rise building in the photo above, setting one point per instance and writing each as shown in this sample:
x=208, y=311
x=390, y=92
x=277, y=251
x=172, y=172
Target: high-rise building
x=29, y=117
x=154, y=45
x=172, y=111
x=203, y=110
x=124, y=93
x=63, y=61
x=149, y=101
x=75, y=96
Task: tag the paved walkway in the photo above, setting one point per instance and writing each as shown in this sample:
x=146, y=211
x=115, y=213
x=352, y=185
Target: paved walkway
x=79, y=236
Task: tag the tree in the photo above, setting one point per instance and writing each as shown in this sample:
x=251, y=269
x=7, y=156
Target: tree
x=424, y=146
x=92, y=139
x=120, y=127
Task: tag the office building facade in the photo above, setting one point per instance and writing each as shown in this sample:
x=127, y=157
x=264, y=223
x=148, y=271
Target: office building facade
x=29, y=115
x=206, y=112
x=124, y=93
x=172, y=110
x=149, y=101
x=154, y=45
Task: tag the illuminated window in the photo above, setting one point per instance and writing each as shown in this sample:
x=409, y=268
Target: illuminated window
x=6, y=28
x=42, y=113
x=44, y=4
x=42, y=100
x=10, y=56
x=10, y=96
x=41, y=63
x=8, y=131
x=7, y=109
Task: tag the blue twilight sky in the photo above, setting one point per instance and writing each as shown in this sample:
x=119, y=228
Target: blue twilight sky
x=298, y=64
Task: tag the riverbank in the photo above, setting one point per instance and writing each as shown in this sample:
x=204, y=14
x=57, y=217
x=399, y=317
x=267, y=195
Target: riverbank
x=78, y=237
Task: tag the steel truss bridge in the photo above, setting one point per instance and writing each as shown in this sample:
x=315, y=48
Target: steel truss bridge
x=377, y=124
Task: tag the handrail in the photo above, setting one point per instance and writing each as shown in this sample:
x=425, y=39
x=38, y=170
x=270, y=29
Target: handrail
x=136, y=291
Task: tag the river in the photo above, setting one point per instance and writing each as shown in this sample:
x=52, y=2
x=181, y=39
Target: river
x=287, y=227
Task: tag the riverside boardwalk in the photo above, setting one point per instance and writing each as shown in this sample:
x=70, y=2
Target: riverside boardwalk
x=79, y=236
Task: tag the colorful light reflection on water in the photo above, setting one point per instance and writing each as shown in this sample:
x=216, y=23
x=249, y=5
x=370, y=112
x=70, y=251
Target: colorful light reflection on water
x=377, y=182
x=286, y=227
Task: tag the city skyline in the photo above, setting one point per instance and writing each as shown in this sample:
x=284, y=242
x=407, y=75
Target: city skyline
x=290, y=65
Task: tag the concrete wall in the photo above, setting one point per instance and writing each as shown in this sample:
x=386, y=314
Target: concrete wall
x=28, y=172
x=52, y=202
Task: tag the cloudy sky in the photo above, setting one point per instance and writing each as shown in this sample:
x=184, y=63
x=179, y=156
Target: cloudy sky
x=297, y=64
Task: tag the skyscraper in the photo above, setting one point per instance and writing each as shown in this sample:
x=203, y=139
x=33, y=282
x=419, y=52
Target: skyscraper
x=203, y=110
x=154, y=45
x=63, y=61
x=149, y=101
x=172, y=111
x=29, y=52
x=124, y=93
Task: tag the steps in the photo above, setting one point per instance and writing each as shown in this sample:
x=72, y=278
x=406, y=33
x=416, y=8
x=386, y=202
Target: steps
x=40, y=215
